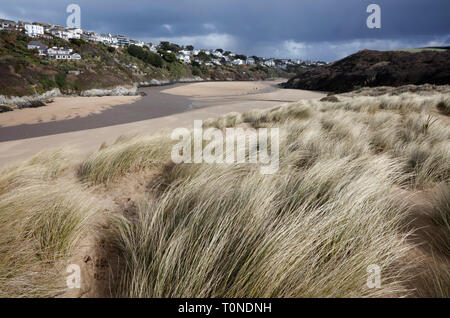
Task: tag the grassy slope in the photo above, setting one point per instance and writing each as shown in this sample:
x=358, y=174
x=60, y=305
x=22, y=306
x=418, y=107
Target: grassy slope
x=368, y=68
x=25, y=73
x=352, y=176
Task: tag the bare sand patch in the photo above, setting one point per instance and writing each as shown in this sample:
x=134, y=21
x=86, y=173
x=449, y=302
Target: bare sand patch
x=211, y=89
x=63, y=108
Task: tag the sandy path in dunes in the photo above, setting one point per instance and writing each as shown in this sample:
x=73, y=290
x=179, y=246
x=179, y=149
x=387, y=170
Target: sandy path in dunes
x=64, y=108
x=89, y=140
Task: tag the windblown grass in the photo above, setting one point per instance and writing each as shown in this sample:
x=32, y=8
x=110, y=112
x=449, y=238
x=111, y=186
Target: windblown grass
x=42, y=217
x=363, y=180
x=310, y=230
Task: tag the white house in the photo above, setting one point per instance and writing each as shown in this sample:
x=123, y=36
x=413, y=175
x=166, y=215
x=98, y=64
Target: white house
x=122, y=40
x=270, y=63
x=74, y=33
x=217, y=54
x=137, y=43
x=184, y=58
x=62, y=34
x=237, y=62
x=216, y=61
x=62, y=53
x=42, y=48
x=250, y=61
x=153, y=48
x=34, y=30
x=107, y=39
x=8, y=24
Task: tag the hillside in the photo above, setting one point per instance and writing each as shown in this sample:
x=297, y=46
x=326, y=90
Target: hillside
x=377, y=68
x=25, y=73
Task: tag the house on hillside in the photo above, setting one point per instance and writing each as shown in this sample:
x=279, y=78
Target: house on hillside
x=270, y=63
x=184, y=58
x=107, y=39
x=153, y=48
x=217, y=54
x=21, y=24
x=216, y=61
x=42, y=24
x=62, y=34
x=74, y=33
x=62, y=53
x=34, y=30
x=250, y=61
x=42, y=48
x=137, y=43
x=122, y=40
x=8, y=25
x=89, y=36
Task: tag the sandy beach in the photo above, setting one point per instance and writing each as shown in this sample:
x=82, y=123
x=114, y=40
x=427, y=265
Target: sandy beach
x=63, y=108
x=163, y=109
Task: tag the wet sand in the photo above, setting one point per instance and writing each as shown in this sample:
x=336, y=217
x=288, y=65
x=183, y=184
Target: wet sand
x=63, y=108
x=163, y=109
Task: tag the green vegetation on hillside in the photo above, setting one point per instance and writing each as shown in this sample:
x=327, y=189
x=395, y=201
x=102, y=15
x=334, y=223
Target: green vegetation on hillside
x=24, y=72
x=145, y=55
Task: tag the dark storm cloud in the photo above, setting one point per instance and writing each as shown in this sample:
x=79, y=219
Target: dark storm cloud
x=314, y=29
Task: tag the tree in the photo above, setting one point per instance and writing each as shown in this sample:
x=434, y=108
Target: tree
x=189, y=47
x=166, y=46
x=219, y=50
x=168, y=57
x=241, y=57
x=145, y=55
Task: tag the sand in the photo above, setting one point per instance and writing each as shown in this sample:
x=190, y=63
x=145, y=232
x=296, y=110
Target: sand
x=217, y=99
x=63, y=108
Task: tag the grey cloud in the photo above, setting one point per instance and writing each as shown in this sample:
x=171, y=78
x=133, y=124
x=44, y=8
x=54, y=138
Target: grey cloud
x=326, y=28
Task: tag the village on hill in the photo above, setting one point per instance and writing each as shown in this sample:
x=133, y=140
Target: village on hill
x=188, y=54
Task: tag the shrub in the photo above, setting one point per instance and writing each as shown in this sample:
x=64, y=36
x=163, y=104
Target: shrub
x=168, y=57
x=145, y=55
x=196, y=71
x=60, y=80
x=331, y=99
x=444, y=106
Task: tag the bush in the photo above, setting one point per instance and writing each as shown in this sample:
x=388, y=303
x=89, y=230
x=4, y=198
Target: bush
x=60, y=80
x=168, y=57
x=166, y=46
x=145, y=55
x=196, y=71
x=47, y=83
x=203, y=56
x=444, y=107
x=77, y=42
x=331, y=99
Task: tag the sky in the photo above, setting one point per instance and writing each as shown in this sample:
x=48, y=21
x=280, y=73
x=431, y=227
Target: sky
x=325, y=30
